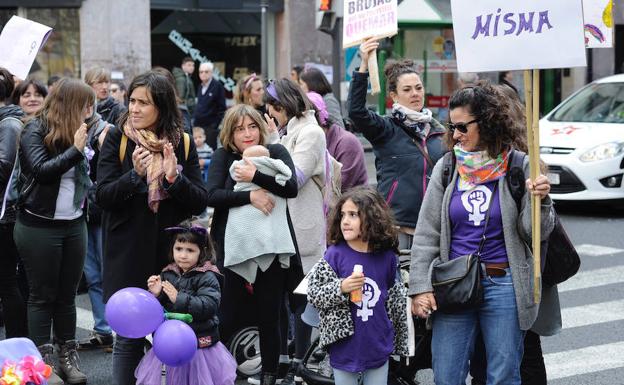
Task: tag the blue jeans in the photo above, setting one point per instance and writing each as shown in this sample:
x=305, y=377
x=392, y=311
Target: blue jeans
x=454, y=335
x=93, y=275
x=377, y=376
x=127, y=353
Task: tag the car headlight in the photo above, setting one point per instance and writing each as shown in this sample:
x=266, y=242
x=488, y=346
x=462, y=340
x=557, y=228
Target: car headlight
x=603, y=152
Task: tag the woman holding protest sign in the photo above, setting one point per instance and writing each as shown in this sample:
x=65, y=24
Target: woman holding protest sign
x=470, y=214
x=406, y=144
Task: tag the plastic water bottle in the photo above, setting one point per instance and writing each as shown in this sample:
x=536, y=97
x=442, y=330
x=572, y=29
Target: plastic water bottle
x=356, y=295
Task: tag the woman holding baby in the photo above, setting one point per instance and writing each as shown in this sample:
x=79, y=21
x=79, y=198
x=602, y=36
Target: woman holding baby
x=238, y=185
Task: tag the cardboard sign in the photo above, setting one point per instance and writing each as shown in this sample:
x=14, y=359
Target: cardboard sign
x=368, y=18
x=498, y=35
x=20, y=41
x=598, y=18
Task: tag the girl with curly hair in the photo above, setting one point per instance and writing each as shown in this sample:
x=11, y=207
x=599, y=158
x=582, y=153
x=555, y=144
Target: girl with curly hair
x=456, y=220
x=360, y=334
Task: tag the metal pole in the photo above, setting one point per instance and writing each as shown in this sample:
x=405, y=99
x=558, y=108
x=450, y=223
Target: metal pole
x=336, y=53
x=264, y=39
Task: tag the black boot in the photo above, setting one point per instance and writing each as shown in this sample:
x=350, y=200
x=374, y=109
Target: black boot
x=47, y=352
x=268, y=378
x=68, y=358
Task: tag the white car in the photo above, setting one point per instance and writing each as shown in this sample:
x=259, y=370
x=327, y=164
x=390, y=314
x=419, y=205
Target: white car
x=582, y=141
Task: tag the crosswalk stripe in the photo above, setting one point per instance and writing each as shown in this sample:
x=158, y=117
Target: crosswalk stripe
x=84, y=319
x=592, y=314
x=593, y=278
x=585, y=360
x=596, y=250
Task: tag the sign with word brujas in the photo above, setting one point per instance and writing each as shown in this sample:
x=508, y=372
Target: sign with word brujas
x=368, y=18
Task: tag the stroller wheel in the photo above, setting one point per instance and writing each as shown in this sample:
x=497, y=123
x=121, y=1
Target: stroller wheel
x=245, y=347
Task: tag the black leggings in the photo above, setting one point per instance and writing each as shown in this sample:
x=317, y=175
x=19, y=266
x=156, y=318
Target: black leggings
x=53, y=258
x=262, y=308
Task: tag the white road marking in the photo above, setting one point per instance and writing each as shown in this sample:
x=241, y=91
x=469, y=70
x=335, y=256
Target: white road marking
x=585, y=360
x=596, y=250
x=592, y=314
x=593, y=278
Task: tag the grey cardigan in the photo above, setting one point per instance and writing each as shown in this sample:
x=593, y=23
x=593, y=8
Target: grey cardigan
x=432, y=239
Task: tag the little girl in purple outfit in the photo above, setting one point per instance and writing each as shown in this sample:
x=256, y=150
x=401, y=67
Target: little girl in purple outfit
x=360, y=336
x=191, y=285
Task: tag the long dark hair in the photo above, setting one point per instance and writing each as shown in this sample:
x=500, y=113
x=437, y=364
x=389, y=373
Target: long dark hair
x=163, y=94
x=284, y=94
x=378, y=227
x=21, y=89
x=316, y=81
x=187, y=232
x=6, y=84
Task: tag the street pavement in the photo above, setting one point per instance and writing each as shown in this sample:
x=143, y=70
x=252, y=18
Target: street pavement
x=590, y=348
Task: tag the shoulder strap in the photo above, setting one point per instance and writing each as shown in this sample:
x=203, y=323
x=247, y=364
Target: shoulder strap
x=515, y=176
x=487, y=220
x=187, y=145
x=124, y=143
x=449, y=168
x=122, y=147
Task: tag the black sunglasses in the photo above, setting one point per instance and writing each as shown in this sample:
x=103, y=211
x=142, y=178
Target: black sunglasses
x=461, y=127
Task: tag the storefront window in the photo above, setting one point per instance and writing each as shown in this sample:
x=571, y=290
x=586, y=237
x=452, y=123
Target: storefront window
x=433, y=50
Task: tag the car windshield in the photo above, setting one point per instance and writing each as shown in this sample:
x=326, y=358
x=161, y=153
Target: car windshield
x=601, y=102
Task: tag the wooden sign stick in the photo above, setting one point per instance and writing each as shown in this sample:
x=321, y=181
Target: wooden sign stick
x=535, y=200
x=531, y=100
x=373, y=72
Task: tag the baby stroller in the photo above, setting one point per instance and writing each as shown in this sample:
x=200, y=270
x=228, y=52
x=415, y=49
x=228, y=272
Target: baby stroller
x=315, y=369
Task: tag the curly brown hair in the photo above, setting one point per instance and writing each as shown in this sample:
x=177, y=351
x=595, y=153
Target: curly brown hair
x=378, y=227
x=497, y=115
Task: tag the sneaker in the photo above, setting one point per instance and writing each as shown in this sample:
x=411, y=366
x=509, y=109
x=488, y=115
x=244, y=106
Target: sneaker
x=97, y=341
x=282, y=370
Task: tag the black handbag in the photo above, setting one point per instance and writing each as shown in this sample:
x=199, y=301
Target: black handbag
x=561, y=259
x=457, y=283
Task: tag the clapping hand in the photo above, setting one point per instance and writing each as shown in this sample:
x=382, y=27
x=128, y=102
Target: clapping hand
x=154, y=285
x=170, y=291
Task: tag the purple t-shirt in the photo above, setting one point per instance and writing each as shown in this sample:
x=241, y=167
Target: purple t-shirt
x=372, y=343
x=467, y=213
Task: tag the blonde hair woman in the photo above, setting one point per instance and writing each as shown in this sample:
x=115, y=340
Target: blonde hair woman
x=243, y=127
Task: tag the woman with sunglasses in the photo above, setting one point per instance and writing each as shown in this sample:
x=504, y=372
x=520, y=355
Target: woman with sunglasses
x=148, y=179
x=477, y=214
x=254, y=300
x=406, y=144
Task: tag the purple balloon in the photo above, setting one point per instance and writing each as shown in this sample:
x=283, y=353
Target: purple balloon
x=175, y=343
x=134, y=313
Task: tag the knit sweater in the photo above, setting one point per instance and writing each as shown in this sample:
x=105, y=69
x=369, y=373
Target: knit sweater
x=253, y=239
x=305, y=141
x=432, y=239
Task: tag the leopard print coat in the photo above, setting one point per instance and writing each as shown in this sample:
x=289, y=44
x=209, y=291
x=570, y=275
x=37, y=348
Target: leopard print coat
x=333, y=306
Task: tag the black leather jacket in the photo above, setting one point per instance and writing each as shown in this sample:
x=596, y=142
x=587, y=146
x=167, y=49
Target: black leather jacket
x=41, y=170
x=9, y=140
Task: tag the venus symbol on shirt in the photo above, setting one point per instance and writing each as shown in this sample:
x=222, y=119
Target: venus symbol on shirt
x=476, y=201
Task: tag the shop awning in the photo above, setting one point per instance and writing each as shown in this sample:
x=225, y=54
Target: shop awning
x=421, y=13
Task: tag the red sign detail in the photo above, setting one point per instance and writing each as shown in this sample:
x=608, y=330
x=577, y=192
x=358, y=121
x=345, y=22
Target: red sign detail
x=567, y=130
x=325, y=5
x=437, y=101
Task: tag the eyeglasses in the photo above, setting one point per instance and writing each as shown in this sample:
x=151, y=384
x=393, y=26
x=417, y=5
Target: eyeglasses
x=461, y=127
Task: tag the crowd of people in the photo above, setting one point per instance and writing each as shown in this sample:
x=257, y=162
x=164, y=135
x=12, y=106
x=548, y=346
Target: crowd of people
x=106, y=182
